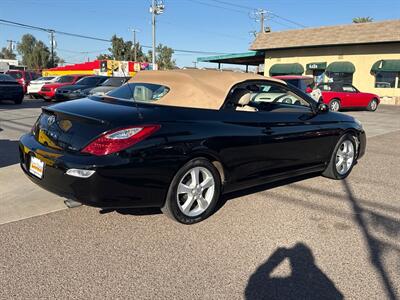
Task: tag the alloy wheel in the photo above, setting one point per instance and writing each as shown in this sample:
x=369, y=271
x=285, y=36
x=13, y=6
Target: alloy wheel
x=344, y=157
x=195, y=191
x=334, y=106
x=373, y=105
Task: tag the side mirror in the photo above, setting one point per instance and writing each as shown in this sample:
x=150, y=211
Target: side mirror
x=309, y=90
x=322, y=107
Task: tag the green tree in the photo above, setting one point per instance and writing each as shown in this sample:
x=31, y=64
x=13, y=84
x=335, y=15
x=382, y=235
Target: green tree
x=35, y=54
x=363, y=20
x=6, y=53
x=123, y=50
x=163, y=57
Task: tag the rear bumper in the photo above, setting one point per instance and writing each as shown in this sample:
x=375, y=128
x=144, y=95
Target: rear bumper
x=118, y=182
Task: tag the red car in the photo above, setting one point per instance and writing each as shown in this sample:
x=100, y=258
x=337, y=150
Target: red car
x=339, y=96
x=23, y=77
x=48, y=91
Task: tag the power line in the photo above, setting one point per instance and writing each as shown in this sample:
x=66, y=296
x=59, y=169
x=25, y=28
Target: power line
x=252, y=8
x=26, y=26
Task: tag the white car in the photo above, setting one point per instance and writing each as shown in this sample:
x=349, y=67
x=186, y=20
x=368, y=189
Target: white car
x=36, y=85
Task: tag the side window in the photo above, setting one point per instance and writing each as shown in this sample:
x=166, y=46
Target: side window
x=349, y=89
x=278, y=95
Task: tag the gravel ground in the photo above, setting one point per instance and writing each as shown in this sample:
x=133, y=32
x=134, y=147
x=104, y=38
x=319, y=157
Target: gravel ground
x=310, y=239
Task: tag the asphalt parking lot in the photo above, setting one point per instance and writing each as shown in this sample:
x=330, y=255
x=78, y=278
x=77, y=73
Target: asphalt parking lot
x=312, y=238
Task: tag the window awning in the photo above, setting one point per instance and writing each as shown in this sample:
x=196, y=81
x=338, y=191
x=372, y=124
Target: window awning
x=390, y=65
x=286, y=69
x=316, y=66
x=341, y=67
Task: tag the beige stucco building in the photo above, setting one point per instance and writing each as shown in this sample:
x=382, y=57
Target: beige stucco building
x=366, y=55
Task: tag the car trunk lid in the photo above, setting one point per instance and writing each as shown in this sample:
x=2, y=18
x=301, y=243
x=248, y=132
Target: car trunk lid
x=72, y=125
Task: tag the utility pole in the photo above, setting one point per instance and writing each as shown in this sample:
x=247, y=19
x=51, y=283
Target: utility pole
x=11, y=44
x=157, y=8
x=134, y=44
x=260, y=15
x=52, y=46
x=194, y=64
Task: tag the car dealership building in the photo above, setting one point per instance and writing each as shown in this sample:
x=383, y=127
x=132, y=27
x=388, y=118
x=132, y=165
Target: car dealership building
x=366, y=55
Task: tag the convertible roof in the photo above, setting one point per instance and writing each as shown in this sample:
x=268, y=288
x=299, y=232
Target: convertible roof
x=196, y=88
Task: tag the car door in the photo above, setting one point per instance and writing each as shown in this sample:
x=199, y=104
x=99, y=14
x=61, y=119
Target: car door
x=351, y=96
x=292, y=137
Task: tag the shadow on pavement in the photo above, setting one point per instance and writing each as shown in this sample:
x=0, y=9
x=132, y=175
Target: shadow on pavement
x=8, y=105
x=9, y=153
x=306, y=281
x=376, y=247
x=144, y=211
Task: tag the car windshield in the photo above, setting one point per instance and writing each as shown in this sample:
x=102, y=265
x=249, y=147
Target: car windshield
x=143, y=92
x=87, y=81
x=16, y=75
x=5, y=77
x=114, y=81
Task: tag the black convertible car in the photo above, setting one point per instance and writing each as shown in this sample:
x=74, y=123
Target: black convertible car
x=179, y=139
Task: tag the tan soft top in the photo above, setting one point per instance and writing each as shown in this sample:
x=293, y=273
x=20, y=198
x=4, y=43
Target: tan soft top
x=195, y=88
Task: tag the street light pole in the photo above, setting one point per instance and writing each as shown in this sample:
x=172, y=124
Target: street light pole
x=157, y=8
x=134, y=44
x=153, y=23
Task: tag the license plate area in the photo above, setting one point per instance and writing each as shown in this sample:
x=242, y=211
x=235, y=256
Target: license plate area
x=36, y=167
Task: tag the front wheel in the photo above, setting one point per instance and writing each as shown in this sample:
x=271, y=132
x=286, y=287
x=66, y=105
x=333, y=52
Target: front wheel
x=193, y=192
x=343, y=158
x=334, y=105
x=373, y=105
x=19, y=100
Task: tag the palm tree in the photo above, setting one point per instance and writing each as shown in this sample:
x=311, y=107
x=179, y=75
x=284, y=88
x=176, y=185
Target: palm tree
x=363, y=20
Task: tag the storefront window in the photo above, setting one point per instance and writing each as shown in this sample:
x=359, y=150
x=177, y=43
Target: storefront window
x=341, y=78
x=385, y=79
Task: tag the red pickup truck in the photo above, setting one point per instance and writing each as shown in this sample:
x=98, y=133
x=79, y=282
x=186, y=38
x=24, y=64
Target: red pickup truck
x=339, y=96
x=48, y=91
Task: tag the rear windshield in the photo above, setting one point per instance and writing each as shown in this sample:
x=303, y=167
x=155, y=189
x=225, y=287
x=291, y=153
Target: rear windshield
x=45, y=78
x=16, y=75
x=64, y=79
x=6, y=77
x=114, y=81
x=88, y=81
x=143, y=92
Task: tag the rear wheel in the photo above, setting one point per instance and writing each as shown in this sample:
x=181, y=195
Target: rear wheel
x=193, y=192
x=343, y=158
x=334, y=105
x=373, y=105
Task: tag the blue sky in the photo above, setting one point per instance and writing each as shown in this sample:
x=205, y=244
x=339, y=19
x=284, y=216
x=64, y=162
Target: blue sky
x=201, y=25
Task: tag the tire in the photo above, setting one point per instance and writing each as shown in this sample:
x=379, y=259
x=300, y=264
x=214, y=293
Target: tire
x=372, y=105
x=46, y=99
x=334, y=105
x=181, y=203
x=334, y=171
x=19, y=100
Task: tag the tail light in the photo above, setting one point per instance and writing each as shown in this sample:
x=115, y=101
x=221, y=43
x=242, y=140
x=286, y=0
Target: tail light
x=120, y=139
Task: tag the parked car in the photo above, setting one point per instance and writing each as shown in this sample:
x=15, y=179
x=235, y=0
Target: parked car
x=23, y=77
x=79, y=89
x=36, y=85
x=179, y=139
x=48, y=91
x=108, y=85
x=303, y=83
x=339, y=96
x=10, y=89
